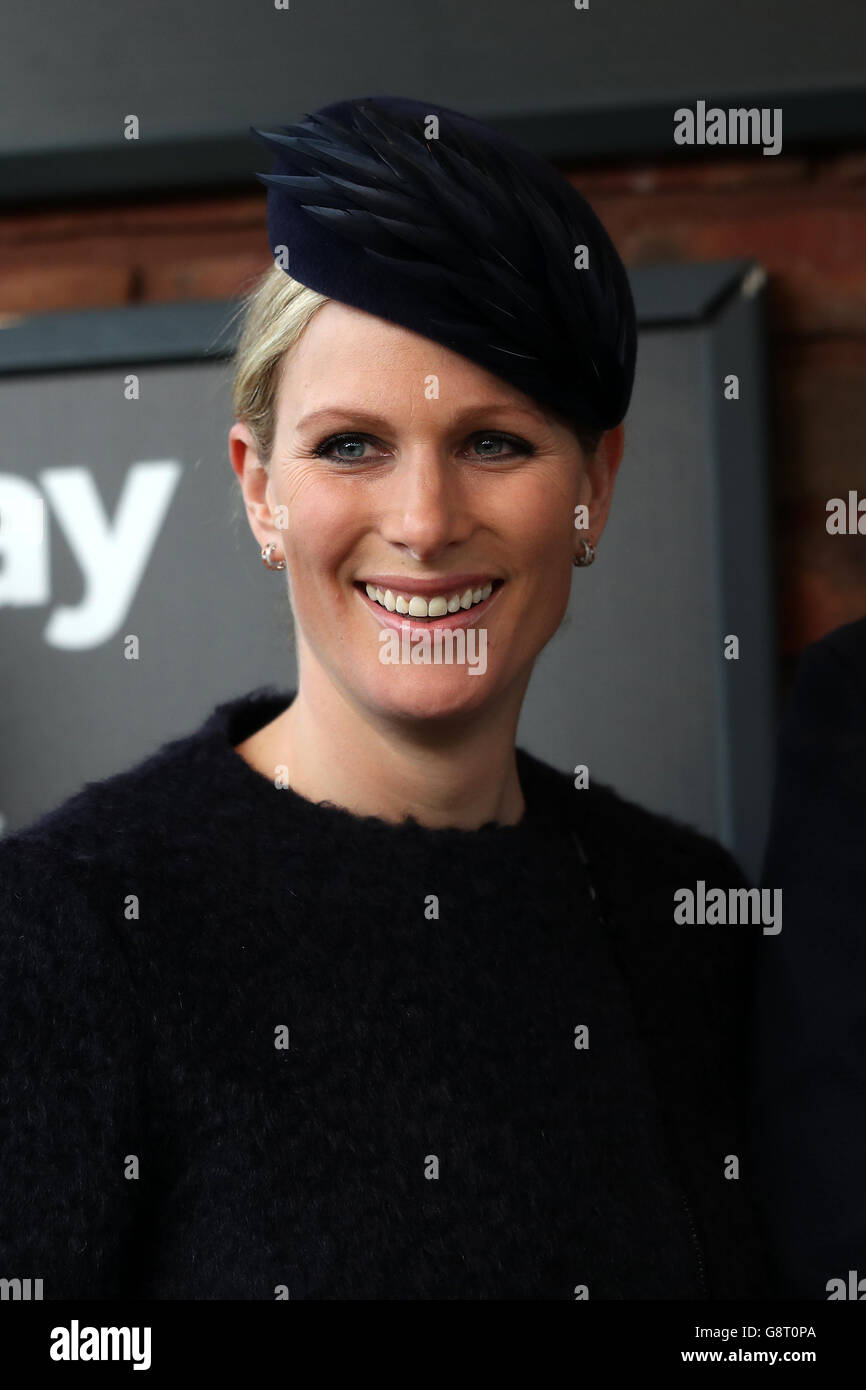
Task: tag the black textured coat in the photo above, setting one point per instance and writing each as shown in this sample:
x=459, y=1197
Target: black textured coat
x=431, y=1130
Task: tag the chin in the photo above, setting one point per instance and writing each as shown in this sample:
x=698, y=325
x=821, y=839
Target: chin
x=428, y=693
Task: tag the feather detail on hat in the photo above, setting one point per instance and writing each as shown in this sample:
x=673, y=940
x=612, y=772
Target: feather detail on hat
x=460, y=212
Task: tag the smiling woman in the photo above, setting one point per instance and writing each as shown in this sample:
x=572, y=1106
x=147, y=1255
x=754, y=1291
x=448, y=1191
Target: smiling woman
x=439, y=498
x=401, y=1013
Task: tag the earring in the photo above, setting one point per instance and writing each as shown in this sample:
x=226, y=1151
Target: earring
x=588, y=554
x=268, y=560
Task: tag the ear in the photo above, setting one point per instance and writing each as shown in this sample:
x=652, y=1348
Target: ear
x=599, y=475
x=254, y=482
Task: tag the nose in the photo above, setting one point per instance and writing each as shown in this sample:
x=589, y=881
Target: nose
x=424, y=507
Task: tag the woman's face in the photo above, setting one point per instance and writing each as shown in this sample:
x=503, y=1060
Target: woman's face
x=399, y=464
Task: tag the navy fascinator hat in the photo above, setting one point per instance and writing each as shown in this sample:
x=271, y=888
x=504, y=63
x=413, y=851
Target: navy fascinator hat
x=450, y=229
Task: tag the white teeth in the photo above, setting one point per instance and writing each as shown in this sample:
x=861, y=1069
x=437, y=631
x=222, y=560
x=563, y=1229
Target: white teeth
x=436, y=607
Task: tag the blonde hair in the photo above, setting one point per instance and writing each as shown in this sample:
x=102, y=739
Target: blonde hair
x=275, y=313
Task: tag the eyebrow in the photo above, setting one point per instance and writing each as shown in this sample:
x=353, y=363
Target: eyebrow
x=380, y=421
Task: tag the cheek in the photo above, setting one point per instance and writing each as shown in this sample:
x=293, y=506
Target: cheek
x=541, y=552
x=540, y=522
x=322, y=520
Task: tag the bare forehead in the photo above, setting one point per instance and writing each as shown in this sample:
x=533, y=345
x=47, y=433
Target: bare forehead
x=363, y=342
x=348, y=357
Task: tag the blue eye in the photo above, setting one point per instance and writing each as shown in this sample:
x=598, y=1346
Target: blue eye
x=519, y=446
x=356, y=442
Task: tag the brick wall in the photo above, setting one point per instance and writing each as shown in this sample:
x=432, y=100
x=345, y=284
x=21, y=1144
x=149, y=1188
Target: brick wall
x=803, y=219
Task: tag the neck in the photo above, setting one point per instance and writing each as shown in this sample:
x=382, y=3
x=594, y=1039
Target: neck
x=460, y=772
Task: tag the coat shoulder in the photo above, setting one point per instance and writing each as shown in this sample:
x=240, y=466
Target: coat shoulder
x=108, y=819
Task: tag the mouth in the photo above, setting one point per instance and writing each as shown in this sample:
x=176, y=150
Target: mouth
x=452, y=606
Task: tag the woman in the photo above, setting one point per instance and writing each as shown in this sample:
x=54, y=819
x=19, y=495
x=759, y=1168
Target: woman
x=343, y=995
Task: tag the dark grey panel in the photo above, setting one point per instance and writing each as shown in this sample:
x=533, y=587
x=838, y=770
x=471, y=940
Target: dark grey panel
x=629, y=685
x=207, y=617
x=635, y=684
x=738, y=434
x=812, y=122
